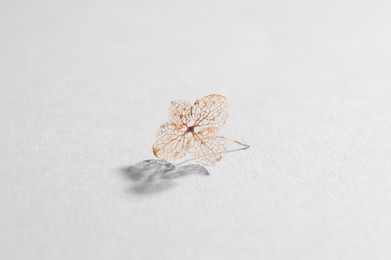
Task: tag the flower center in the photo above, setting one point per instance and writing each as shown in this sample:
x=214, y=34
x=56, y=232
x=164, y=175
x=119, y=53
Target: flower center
x=190, y=129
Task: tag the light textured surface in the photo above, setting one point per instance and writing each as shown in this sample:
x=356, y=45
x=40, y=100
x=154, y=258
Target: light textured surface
x=84, y=87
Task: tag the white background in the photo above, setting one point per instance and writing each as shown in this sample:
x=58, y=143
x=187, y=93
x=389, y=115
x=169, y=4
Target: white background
x=84, y=86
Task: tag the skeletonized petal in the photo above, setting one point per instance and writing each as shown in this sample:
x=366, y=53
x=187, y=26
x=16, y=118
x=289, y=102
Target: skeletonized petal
x=172, y=142
x=180, y=112
x=209, y=114
x=208, y=149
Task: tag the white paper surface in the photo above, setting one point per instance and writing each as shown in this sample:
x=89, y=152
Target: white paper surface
x=84, y=86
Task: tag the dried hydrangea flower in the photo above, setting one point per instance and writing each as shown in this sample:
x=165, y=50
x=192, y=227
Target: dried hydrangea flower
x=194, y=129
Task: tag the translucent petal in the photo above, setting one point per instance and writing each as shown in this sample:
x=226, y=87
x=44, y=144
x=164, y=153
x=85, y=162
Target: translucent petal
x=172, y=142
x=180, y=112
x=209, y=114
x=208, y=149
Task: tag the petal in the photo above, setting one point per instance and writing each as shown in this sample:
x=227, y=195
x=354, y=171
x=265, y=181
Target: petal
x=172, y=142
x=209, y=114
x=180, y=112
x=208, y=149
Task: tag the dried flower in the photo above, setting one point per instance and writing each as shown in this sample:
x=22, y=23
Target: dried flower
x=194, y=129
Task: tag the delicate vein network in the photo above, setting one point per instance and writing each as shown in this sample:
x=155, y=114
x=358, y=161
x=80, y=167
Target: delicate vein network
x=194, y=129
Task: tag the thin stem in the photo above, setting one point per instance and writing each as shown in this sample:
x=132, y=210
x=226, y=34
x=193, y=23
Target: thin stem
x=245, y=146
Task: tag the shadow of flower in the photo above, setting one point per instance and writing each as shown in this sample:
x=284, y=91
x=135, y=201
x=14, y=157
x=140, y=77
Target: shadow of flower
x=153, y=176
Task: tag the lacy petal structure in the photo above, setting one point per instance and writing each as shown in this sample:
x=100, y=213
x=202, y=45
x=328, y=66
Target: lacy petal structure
x=194, y=129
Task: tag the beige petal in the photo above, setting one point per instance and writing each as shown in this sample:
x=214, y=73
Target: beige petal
x=180, y=112
x=209, y=114
x=172, y=142
x=208, y=149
